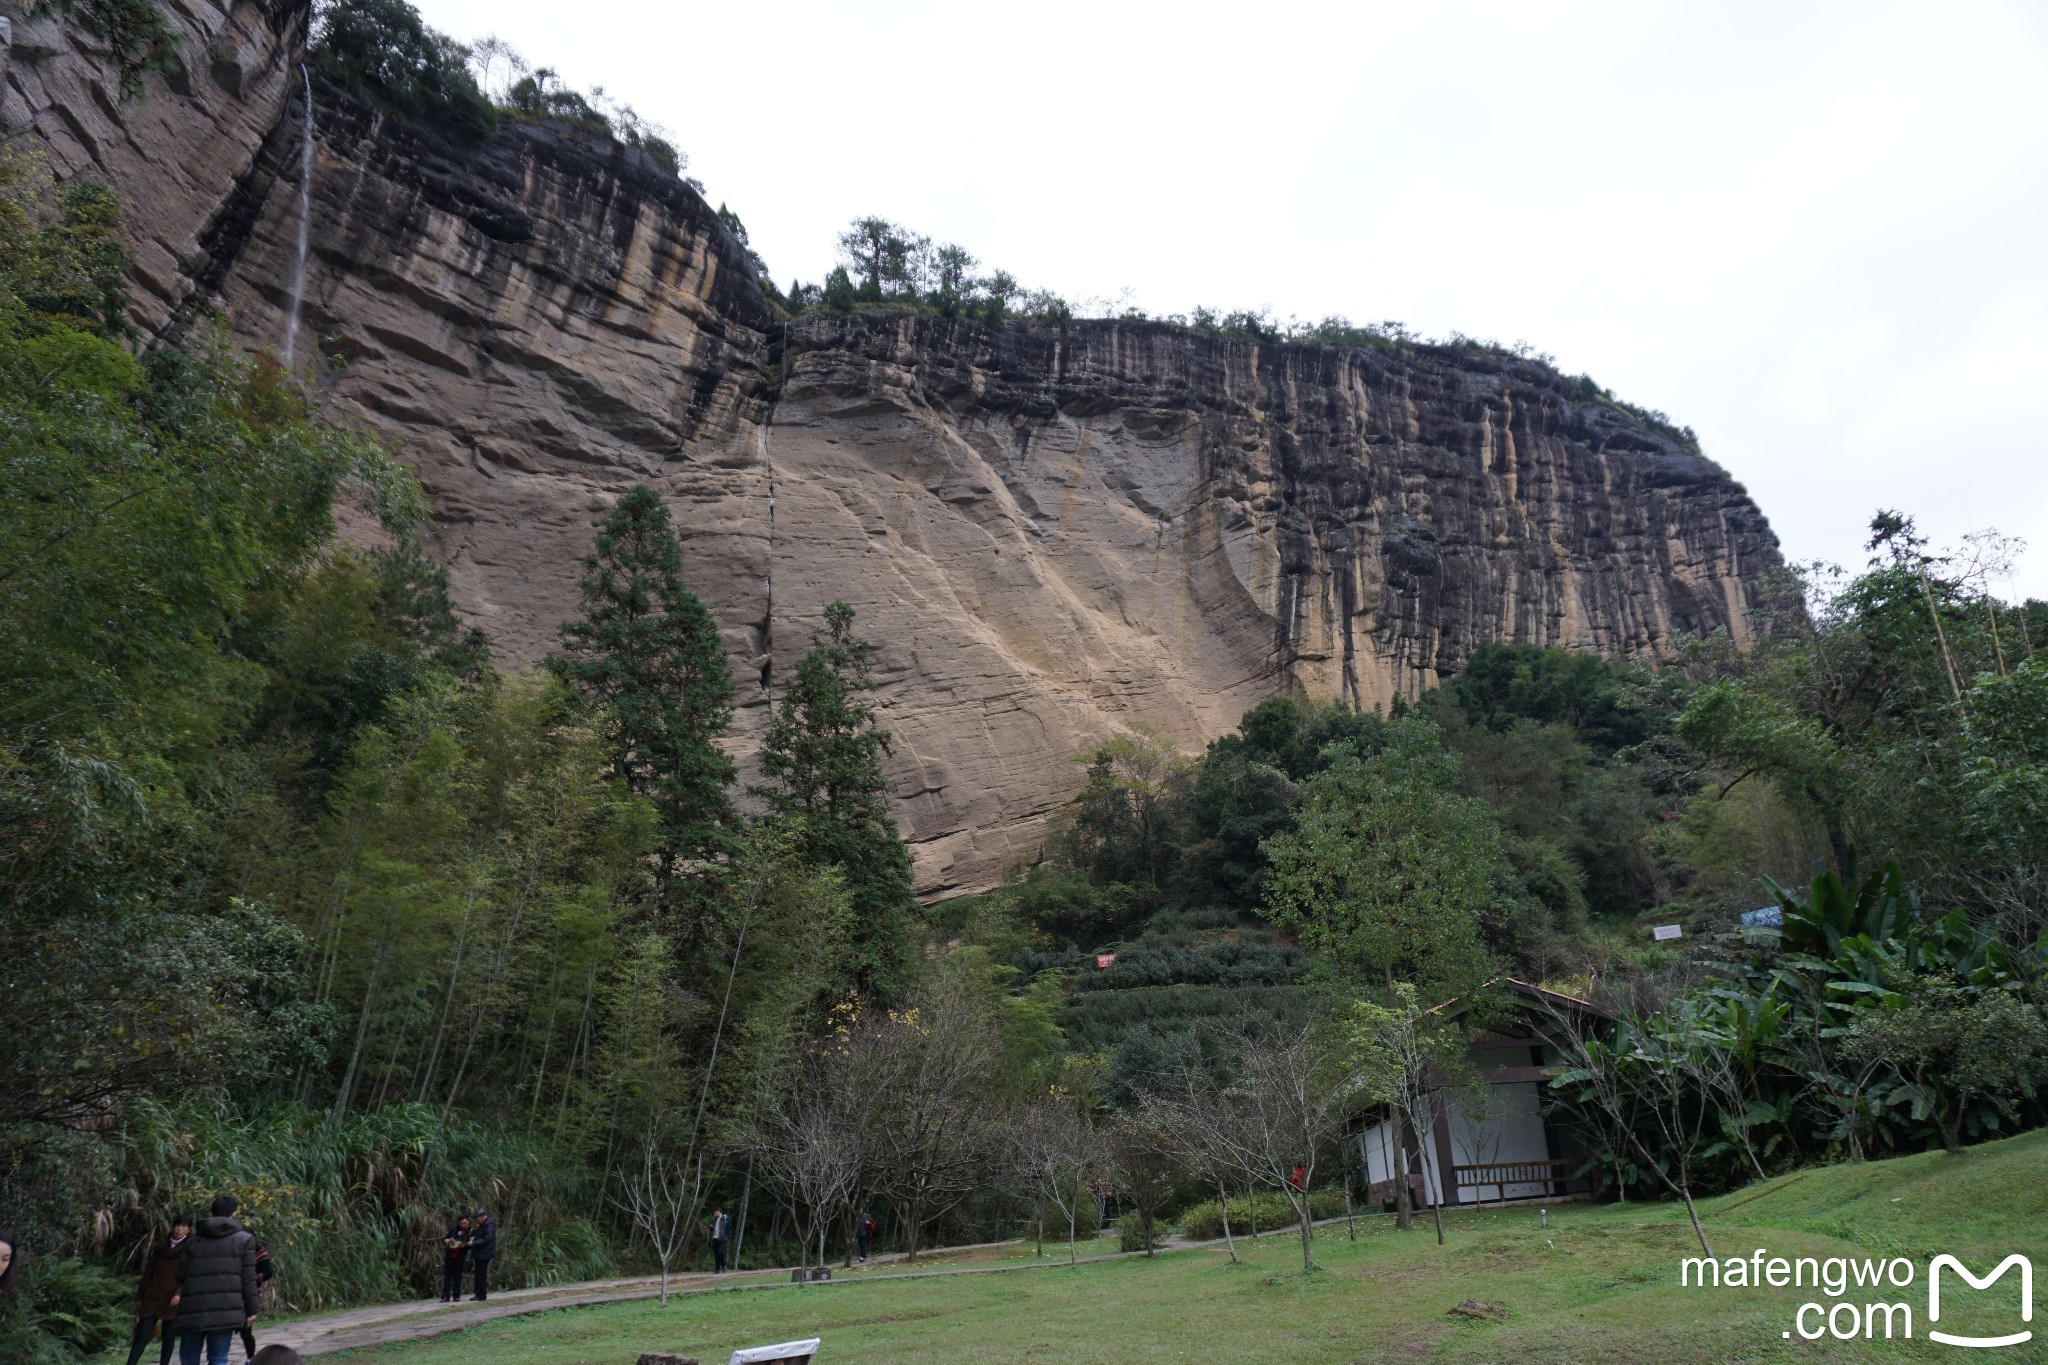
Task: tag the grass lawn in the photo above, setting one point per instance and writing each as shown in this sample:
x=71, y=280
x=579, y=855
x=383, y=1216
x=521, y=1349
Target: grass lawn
x=1600, y=1284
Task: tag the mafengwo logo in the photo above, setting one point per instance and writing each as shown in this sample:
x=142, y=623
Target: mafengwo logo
x=1866, y=1316
x=2026, y=1269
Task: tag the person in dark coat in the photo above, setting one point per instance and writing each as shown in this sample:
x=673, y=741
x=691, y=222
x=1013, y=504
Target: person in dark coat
x=216, y=1285
x=483, y=1245
x=721, y=1238
x=264, y=1270
x=157, y=1294
x=454, y=1254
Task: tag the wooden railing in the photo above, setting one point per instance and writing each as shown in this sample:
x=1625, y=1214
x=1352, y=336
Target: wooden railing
x=1551, y=1175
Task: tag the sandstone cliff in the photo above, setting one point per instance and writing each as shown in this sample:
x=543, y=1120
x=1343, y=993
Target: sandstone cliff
x=1053, y=530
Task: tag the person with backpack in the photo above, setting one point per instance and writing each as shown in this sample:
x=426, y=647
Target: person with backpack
x=483, y=1246
x=216, y=1286
x=158, y=1292
x=864, y=1228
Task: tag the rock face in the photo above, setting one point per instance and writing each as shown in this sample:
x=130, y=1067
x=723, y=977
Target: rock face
x=183, y=152
x=1053, y=530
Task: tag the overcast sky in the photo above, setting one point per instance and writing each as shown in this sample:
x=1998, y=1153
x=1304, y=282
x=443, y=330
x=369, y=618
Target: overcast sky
x=1816, y=233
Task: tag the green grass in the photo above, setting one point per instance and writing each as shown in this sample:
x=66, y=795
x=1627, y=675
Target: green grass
x=1600, y=1284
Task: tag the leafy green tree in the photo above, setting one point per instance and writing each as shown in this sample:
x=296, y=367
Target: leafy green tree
x=822, y=756
x=1244, y=791
x=648, y=649
x=997, y=290
x=383, y=48
x=839, y=295
x=144, y=507
x=1390, y=871
x=1881, y=714
x=1123, y=826
x=892, y=261
x=1602, y=702
x=1956, y=1047
x=952, y=269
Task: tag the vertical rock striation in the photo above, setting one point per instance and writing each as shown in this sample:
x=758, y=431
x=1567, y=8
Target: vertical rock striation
x=183, y=153
x=1054, y=530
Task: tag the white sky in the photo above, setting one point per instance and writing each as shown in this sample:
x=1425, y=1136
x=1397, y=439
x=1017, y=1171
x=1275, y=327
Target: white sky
x=1815, y=232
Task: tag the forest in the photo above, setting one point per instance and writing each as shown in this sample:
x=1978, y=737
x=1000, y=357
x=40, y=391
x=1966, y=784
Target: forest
x=310, y=901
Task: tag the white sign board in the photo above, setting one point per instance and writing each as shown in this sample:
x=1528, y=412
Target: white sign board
x=1664, y=931
x=796, y=1351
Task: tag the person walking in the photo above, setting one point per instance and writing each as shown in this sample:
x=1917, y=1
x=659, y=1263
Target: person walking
x=864, y=1229
x=721, y=1236
x=216, y=1286
x=157, y=1293
x=264, y=1271
x=454, y=1254
x=483, y=1245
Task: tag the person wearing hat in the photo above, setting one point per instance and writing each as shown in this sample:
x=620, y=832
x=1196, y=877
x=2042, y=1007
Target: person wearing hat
x=157, y=1294
x=483, y=1245
x=216, y=1285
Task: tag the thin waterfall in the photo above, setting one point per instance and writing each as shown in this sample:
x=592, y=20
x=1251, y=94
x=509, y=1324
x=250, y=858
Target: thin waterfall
x=291, y=321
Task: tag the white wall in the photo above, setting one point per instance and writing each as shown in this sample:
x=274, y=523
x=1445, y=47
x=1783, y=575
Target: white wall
x=1511, y=1130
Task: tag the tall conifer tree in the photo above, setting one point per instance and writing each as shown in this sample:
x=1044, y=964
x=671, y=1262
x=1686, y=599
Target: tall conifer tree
x=823, y=758
x=648, y=648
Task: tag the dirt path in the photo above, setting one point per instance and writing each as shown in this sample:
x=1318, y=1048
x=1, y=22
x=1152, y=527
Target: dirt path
x=357, y=1329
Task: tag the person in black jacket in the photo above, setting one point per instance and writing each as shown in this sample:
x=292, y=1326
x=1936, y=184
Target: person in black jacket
x=264, y=1270
x=483, y=1245
x=454, y=1252
x=216, y=1286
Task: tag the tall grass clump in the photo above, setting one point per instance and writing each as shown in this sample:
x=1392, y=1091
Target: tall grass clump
x=355, y=1213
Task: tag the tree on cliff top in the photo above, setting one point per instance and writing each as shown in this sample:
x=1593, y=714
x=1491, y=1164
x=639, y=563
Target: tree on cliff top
x=822, y=756
x=648, y=648
x=382, y=47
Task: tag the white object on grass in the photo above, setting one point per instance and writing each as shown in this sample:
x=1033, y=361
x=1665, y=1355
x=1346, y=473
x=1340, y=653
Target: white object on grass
x=792, y=1351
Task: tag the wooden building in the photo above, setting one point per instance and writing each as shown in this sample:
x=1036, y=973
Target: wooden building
x=1497, y=1142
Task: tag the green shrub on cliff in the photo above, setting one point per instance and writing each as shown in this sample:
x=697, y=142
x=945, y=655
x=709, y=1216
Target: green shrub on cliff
x=382, y=48
x=135, y=31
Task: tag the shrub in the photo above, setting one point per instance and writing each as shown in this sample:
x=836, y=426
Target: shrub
x=532, y=98
x=1231, y=963
x=137, y=32
x=1204, y=1222
x=1098, y=1020
x=77, y=1305
x=1130, y=1233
